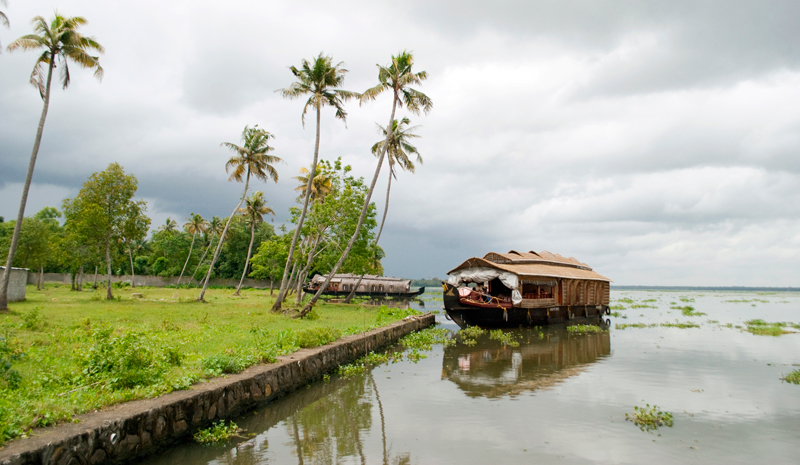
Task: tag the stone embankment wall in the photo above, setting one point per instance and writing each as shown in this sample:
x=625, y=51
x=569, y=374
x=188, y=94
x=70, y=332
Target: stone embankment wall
x=151, y=281
x=134, y=430
x=16, y=283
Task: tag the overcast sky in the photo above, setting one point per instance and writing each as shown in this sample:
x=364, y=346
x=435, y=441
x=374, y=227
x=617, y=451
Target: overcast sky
x=655, y=141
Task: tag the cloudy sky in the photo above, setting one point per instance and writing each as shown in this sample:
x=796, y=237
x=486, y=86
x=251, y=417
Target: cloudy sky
x=656, y=141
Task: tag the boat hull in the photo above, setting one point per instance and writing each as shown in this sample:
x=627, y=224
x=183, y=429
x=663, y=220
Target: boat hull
x=406, y=295
x=514, y=317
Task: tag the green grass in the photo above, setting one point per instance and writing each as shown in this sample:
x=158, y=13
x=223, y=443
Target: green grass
x=72, y=352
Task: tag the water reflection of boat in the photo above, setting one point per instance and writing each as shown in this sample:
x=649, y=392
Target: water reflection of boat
x=490, y=369
x=523, y=289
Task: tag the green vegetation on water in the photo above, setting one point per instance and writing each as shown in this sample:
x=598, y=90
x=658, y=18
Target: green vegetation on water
x=414, y=343
x=687, y=310
x=649, y=418
x=219, y=432
x=64, y=353
x=763, y=328
x=584, y=329
x=793, y=377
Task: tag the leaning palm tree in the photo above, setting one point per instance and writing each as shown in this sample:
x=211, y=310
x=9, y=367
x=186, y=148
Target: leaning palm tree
x=252, y=158
x=196, y=224
x=320, y=188
x=61, y=41
x=215, y=227
x=398, y=154
x=254, y=210
x=319, y=80
x=397, y=77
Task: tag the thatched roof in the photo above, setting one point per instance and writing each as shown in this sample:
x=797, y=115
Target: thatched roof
x=347, y=278
x=533, y=264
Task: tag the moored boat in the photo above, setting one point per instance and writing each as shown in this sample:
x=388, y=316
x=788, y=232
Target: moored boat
x=524, y=289
x=371, y=286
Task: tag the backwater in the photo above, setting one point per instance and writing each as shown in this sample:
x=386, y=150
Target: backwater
x=558, y=397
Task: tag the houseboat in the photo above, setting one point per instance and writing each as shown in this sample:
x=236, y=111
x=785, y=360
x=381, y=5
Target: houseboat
x=371, y=286
x=524, y=289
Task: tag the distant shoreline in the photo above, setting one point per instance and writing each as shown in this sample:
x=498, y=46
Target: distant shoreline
x=704, y=288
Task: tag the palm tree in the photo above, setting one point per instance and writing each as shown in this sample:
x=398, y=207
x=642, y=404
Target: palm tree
x=196, y=224
x=397, y=77
x=320, y=188
x=398, y=154
x=252, y=158
x=215, y=227
x=60, y=41
x=319, y=80
x=253, y=212
x=3, y=17
x=169, y=226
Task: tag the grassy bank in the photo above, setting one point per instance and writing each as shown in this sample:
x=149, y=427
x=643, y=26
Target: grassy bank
x=63, y=352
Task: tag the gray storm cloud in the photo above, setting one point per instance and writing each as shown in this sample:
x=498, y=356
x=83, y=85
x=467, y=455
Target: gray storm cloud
x=655, y=141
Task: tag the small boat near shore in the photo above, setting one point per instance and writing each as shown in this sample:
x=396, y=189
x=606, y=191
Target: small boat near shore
x=371, y=286
x=524, y=289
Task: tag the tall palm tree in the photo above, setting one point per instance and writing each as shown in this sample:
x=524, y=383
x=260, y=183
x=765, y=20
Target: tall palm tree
x=196, y=224
x=169, y=226
x=252, y=158
x=320, y=80
x=254, y=210
x=397, y=77
x=215, y=227
x=320, y=188
x=61, y=41
x=398, y=154
x=3, y=17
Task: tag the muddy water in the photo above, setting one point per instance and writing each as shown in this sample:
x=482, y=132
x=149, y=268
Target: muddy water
x=557, y=398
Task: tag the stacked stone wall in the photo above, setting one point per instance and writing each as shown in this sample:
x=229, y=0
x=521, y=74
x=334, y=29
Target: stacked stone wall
x=134, y=430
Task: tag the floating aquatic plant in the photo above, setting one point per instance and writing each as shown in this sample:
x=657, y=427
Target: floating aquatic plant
x=649, y=418
x=793, y=377
x=584, y=329
x=219, y=432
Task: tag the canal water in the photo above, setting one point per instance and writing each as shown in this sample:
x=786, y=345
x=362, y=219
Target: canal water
x=558, y=397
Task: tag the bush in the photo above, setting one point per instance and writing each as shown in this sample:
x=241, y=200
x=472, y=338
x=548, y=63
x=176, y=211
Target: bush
x=32, y=319
x=128, y=360
x=313, y=337
x=8, y=376
x=230, y=363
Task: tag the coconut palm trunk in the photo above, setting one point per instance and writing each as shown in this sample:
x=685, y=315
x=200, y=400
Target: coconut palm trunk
x=191, y=247
x=219, y=244
x=15, y=236
x=308, y=306
x=247, y=260
x=133, y=273
x=109, y=296
x=80, y=279
x=284, y=284
x=377, y=238
x=210, y=243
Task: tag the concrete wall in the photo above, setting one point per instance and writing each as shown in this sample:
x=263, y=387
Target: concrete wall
x=151, y=281
x=134, y=430
x=16, y=283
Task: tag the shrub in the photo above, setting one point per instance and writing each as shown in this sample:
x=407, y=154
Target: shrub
x=227, y=363
x=128, y=360
x=313, y=337
x=32, y=319
x=8, y=376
